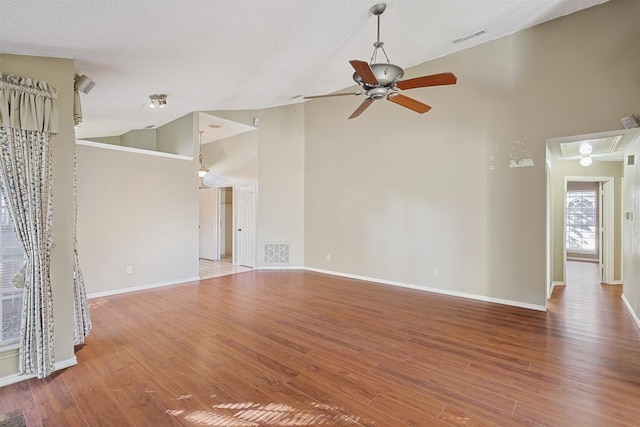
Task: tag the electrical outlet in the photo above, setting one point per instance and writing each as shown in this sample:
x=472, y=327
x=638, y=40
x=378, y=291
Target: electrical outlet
x=436, y=271
x=129, y=269
x=328, y=257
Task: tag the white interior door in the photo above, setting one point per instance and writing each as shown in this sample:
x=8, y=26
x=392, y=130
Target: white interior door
x=606, y=229
x=246, y=236
x=208, y=224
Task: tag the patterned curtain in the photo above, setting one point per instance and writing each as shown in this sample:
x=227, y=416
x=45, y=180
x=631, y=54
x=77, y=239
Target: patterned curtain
x=81, y=315
x=28, y=118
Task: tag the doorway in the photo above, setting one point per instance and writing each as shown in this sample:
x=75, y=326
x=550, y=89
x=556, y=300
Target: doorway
x=582, y=221
x=588, y=226
x=564, y=157
x=208, y=230
x=225, y=224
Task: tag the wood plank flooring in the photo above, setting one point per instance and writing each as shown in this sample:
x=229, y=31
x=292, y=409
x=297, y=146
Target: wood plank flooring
x=296, y=348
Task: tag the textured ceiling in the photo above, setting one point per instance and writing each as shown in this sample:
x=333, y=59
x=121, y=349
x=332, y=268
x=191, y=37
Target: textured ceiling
x=241, y=54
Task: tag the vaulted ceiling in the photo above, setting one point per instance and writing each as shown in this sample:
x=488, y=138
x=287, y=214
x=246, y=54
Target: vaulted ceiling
x=242, y=54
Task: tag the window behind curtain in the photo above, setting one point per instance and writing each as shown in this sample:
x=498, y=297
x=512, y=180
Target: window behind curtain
x=581, y=220
x=12, y=257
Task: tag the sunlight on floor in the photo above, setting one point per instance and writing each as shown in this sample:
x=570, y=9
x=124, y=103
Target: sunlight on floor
x=249, y=414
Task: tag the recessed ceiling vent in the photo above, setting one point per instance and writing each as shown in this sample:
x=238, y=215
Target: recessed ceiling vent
x=469, y=36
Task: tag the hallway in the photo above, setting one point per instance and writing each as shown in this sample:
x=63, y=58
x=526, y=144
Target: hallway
x=588, y=307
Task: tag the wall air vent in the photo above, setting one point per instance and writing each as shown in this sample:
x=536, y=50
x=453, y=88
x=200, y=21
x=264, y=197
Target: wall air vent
x=469, y=36
x=276, y=253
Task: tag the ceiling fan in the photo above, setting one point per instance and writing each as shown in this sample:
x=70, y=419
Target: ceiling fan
x=384, y=80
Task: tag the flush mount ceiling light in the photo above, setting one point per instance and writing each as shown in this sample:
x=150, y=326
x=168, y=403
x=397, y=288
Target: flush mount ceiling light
x=586, y=160
x=585, y=148
x=203, y=170
x=585, y=151
x=159, y=100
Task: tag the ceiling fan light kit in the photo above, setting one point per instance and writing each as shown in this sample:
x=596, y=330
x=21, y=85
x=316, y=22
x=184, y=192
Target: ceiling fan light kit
x=384, y=80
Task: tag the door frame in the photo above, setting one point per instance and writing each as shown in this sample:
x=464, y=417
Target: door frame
x=606, y=225
x=232, y=219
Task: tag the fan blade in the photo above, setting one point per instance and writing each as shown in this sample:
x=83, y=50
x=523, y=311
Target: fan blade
x=409, y=103
x=364, y=71
x=333, y=94
x=365, y=104
x=425, y=81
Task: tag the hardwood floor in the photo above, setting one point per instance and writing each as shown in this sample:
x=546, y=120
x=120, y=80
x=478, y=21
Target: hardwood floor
x=296, y=348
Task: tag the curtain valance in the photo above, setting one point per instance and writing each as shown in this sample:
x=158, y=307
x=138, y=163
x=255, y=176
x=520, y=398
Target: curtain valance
x=28, y=104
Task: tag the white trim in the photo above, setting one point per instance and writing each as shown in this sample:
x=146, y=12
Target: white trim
x=335, y=273
x=614, y=283
x=553, y=286
x=9, y=353
x=8, y=347
x=633, y=313
x=280, y=267
x=132, y=150
x=434, y=290
x=141, y=287
x=16, y=378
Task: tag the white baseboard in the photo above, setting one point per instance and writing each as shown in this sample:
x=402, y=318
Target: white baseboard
x=615, y=283
x=141, y=288
x=434, y=290
x=553, y=286
x=16, y=378
x=633, y=313
x=279, y=267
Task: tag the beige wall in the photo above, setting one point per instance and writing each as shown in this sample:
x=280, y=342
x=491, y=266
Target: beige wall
x=178, y=136
x=59, y=74
x=144, y=139
x=175, y=137
x=631, y=231
x=113, y=140
x=392, y=194
x=562, y=168
x=138, y=210
x=232, y=161
x=280, y=142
